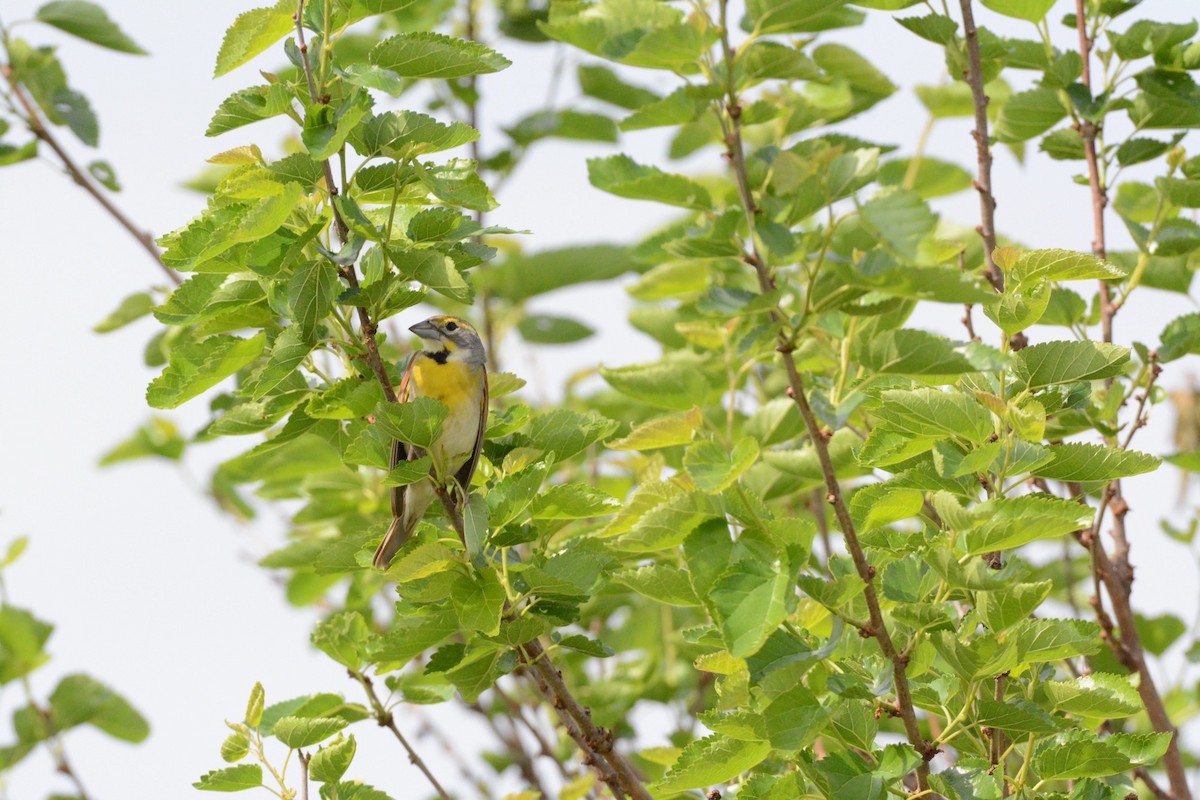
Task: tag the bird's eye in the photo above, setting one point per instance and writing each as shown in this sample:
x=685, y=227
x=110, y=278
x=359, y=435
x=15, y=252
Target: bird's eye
x=451, y=326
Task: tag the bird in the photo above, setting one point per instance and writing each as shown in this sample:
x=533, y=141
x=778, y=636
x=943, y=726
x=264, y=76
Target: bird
x=451, y=368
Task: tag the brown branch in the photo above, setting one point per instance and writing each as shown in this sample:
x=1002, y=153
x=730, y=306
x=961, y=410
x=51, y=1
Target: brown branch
x=304, y=759
x=1116, y=572
x=983, y=179
x=39, y=129
x=386, y=720
x=766, y=282
x=348, y=272
x=595, y=742
x=517, y=714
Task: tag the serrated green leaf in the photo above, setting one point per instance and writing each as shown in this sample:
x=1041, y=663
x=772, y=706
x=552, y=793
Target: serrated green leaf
x=667, y=431
x=435, y=55
x=624, y=177
x=1093, y=462
x=1096, y=696
x=297, y=732
x=199, y=365
x=252, y=33
x=1011, y=522
x=417, y=422
x=910, y=352
x=1065, y=362
x=231, y=779
x=1075, y=755
x=713, y=468
x=712, y=760
x=1027, y=114
x=330, y=763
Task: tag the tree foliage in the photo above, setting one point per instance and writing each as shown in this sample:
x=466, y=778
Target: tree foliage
x=824, y=541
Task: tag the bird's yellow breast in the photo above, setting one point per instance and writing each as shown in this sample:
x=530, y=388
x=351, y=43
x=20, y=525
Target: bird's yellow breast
x=451, y=383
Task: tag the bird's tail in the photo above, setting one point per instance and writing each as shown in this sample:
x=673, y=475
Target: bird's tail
x=397, y=534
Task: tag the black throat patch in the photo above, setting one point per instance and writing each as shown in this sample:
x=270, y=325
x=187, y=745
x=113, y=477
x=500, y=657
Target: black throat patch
x=440, y=356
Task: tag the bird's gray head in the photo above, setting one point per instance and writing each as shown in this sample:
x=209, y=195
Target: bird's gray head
x=453, y=336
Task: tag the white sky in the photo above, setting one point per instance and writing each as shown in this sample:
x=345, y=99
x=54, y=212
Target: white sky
x=151, y=589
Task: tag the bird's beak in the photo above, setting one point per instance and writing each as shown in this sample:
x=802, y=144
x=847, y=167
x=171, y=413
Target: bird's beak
x=426, y=330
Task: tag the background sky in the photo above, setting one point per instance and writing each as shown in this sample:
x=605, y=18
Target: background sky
x=156, y=593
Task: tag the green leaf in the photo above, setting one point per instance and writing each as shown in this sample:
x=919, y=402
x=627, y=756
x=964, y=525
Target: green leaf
x=1076, y=754
x=326, y=127
x=712, y=760
x=252, y=33
x=1181, y=337
x=343, y=637
x=311, y=292
x=668, y=431
x=403, y=135
x=255, y=705
x=1065, y=362
x=603, y=84
x=234, y=748
x=249, y=105
x=434, y=55
x=157, y=437
x=1159, y=633
x=902, y=218
x=624, y=177
x=935, y=413
x=330, y=763
x=713, y=468
x=78, y=699
x=132, y=308
x=297, y=732
x=799, y=16
x=1029, y=10
x=1095, y=696
x=1060, y=265
x=910, y=352
x=290, y=349
x=1179, y=191
x=566, y=433
x=417, y=422
x=199, y=365
x=572, y=501
x=1139, y=150
x=546, y=329
x=747, y=601
x=1002, y=609
x=641, y=33
x=89, y=22
x=795, y=718
x=1141, y=748
x=1054, y=639
x=672, y=385
x=231, y=779
x=932, y=177
x=1093, y=462
x=479, y=601
x=1016, y=716
x=660, y=582
x=1011, y=522
x=1027, y=114
x=563, y=124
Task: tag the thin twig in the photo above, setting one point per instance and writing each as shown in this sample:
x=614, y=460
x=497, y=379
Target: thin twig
x=39, y=129
x=983, y=178
x=1116, y=572
x=878, y=627
x=348, y=272
x=596, y=743
x=304, y=759
x=386, y=720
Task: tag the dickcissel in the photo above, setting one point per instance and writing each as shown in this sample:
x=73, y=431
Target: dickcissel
x=452, y=369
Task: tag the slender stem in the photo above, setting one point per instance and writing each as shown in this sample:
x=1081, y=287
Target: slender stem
x=386, y=720
x=983, y=179
x=39, y=129
x=369, y=328
x=1115, y=571
x=595, y=742
x=766, y=281
x=304, y=759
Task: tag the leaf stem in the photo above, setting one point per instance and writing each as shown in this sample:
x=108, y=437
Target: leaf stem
x=386, y=720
